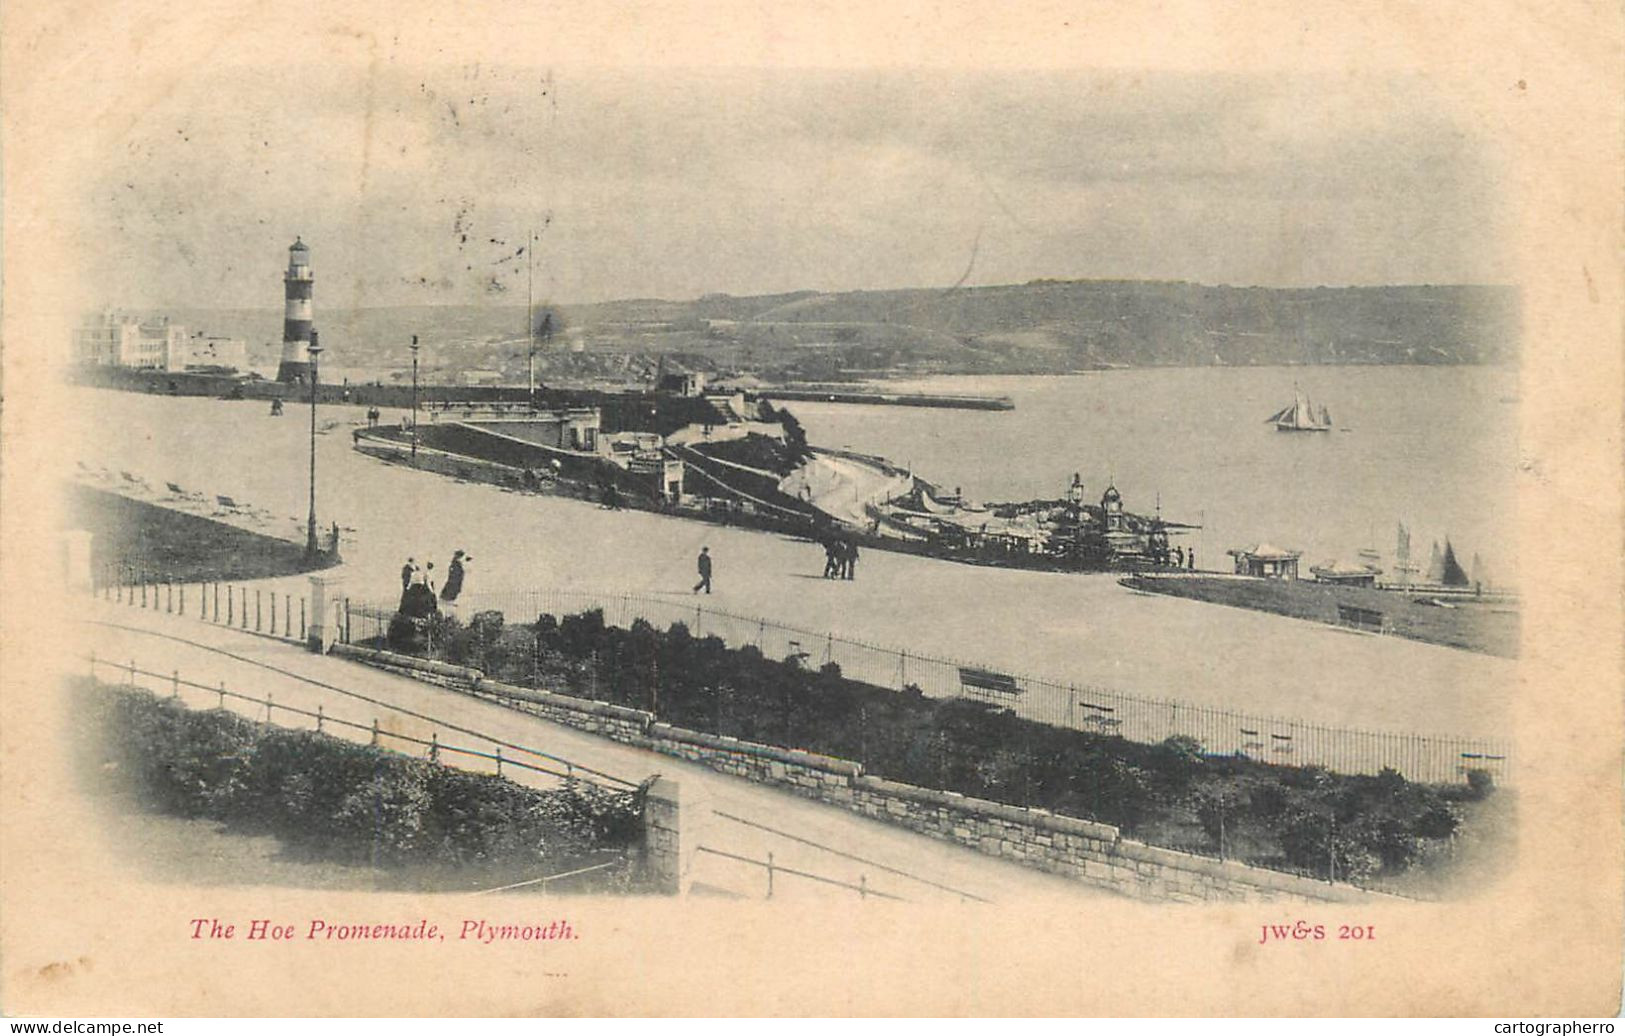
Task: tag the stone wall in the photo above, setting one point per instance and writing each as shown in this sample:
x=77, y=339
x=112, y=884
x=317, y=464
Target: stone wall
x=1094, y=854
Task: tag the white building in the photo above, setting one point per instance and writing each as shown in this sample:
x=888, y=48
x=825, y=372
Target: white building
x=118, y=340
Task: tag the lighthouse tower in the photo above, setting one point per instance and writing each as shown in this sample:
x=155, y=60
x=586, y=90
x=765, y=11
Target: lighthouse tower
x=297, y=284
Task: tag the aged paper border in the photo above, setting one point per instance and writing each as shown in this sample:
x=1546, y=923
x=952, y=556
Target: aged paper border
x=78, y=936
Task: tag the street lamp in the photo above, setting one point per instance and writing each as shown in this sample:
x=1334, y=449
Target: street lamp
x=315, y=351
x=530, y=316
x=414, y=399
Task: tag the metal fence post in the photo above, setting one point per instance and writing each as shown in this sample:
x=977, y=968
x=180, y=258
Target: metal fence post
x=347, y=620
x=375, y=731
x=287, y=615
x=769, y=875
x=143, y=592
x=175, y=684
x=499, y=760
x=230, y=605
x=273, y=614
x=132, y=672
x=434, y=746
x=258, y=609
x=319, y=718
x=183, y=598
x=93, y=665
x=222, y=694
x=169, y=598
x=244, y=609
x=302, y=618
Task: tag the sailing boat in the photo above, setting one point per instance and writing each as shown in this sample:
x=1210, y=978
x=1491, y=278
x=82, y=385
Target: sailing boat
x=1301, y=416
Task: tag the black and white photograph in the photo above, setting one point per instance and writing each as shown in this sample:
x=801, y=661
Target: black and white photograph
x=518, y=493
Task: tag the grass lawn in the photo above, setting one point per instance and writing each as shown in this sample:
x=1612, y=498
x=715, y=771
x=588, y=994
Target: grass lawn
x=184, y=548
x=1468, y=623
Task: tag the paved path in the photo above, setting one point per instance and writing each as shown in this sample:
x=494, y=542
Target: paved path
x=813, y=837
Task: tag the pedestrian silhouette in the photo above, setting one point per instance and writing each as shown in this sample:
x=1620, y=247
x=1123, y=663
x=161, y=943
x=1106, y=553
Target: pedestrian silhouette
x=703, y=563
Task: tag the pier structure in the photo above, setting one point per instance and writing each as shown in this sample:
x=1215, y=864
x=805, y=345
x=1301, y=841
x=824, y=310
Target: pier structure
x=298, y=284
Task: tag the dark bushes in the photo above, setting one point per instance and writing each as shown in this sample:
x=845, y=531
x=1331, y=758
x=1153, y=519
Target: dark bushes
x=1300, y=818
x=348, y=802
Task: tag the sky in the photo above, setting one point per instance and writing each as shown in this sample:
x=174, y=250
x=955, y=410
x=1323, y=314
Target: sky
x=420, y=187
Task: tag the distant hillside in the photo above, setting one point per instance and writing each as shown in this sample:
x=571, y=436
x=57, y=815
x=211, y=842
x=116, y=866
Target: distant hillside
x=1039, y=327
x=1139, y=323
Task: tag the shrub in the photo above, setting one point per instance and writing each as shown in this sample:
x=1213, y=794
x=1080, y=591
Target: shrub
x=386, y=813
x=1480, y=783
x=1266, y=801
x=1176, y=762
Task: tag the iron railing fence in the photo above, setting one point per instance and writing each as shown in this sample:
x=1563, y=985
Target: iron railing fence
x=255, y=609
x=1078, y=705
x=520, y=759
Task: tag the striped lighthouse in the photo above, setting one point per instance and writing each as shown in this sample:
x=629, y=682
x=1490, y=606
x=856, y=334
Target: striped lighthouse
x=296, y=316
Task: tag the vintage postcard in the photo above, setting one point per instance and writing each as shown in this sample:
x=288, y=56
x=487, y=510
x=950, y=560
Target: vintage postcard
x=755, y=509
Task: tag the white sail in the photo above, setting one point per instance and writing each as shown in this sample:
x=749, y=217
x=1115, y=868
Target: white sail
x=1301, y=415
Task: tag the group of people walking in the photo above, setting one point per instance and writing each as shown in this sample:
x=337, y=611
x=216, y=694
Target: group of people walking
x=418, y=597
x=840, y=558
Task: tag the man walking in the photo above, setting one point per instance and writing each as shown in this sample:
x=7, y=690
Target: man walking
x=851, y=559
x=407, y=571
x=704, y=565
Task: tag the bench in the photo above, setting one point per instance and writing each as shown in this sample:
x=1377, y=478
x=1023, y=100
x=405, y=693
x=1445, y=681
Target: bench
x=985, y=680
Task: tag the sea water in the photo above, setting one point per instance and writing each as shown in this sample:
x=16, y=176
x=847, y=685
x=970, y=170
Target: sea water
x=1434, y=448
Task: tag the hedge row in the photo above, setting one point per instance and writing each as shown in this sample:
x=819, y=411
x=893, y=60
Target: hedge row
x=347, y=802
x=1297, y=818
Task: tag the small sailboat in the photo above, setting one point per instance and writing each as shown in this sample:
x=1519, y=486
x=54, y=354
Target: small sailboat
x=1301, y=416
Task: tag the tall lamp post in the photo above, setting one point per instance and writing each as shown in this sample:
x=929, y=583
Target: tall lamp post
x=315, y=350
x=530, y=316
x=414, y=399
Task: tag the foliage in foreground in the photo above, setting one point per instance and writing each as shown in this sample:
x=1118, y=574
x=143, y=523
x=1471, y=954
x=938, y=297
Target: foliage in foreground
x=347, y=802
